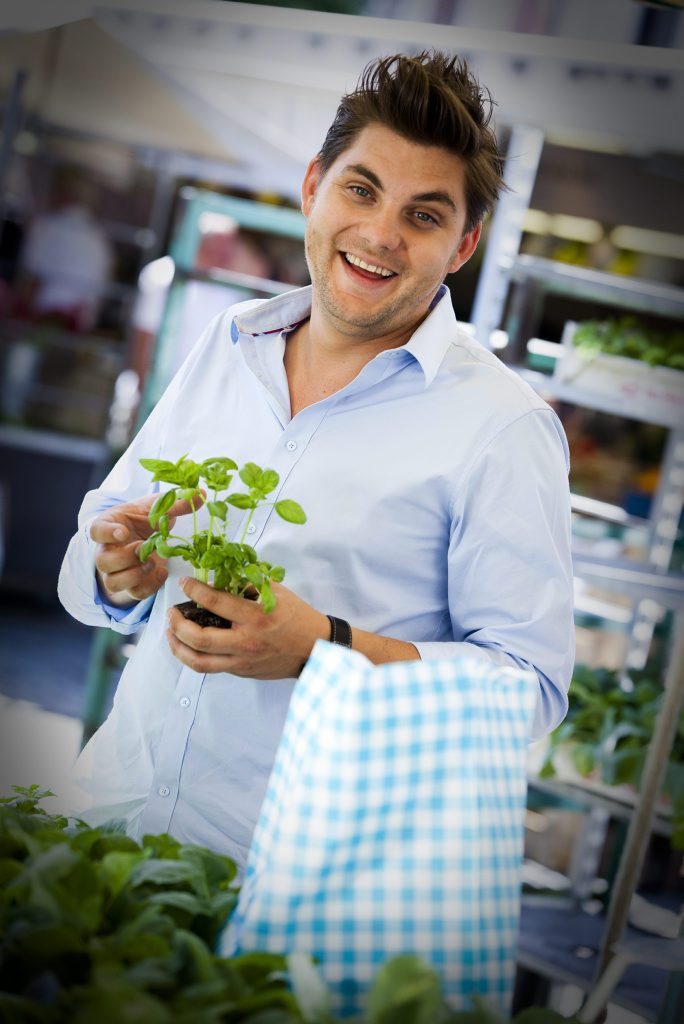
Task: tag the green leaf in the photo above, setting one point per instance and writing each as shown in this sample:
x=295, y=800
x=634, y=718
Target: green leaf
x=117, y=867
x=167, y=550
x=267, y=597
x=309, y=989
x=200, y=958
x=167, y=872
x=253, y=574
x=220, y=461
x=218, y=509
x=188, y=902
x=241, y=500
x=583, y=758
x=157, y=465
x=290, y=511
x=162, y=845
x=148, y=546
x=161, y=505
x=251, y=474
x=405, y=991
x=269, y=481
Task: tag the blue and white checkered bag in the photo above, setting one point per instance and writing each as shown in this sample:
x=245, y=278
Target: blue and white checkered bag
x=393, y=823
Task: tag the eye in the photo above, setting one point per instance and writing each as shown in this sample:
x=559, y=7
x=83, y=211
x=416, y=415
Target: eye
x=425, y=218
x=361, y=191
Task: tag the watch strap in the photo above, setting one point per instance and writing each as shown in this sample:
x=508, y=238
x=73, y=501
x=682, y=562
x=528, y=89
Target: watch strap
x=340, y=631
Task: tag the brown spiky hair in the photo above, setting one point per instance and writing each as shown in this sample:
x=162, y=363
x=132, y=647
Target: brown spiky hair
x=432, y=99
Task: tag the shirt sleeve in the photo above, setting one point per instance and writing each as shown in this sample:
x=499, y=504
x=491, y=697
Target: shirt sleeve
x=127, y=481
x=510, y=584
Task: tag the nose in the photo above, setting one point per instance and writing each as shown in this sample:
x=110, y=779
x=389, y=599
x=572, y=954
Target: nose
x=381, y=230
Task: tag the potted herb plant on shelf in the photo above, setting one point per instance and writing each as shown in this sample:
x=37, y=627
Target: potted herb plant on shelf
x=230, y=565
x=606, y=733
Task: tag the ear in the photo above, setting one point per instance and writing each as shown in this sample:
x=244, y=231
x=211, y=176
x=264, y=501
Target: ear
x=466, y=248
x=312, y=176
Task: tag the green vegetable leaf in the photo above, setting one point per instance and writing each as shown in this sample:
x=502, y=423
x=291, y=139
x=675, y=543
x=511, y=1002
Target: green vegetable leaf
x=290, y=511
x=161, y=505
x=251, y=474
x=218, y=509
x=405, y=991
x=254, y=574
x=116, y=868
x=167, y=550
x=157, y=465
x=269, y=481
x=241, y=500
x=220, y=461
x=309, y=989
x=188, y=472
x=267, y=596
x=148, y=546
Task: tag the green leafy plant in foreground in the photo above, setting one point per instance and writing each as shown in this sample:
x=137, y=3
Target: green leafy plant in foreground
x=607, y=732
x=234, y=565
x=97, y=927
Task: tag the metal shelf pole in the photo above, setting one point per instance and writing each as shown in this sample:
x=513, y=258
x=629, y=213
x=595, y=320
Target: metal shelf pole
x=639, y=831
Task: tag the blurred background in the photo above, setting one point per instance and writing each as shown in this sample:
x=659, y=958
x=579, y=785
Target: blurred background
x=151, y=153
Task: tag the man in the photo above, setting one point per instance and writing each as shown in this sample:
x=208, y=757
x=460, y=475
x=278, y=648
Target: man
x=434, y=480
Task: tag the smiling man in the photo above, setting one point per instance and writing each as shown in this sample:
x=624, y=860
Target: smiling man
x=434, y=480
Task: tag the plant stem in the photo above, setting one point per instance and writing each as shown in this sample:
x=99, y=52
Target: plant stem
x=194, y=516
x=211, y=523
x=249, y=520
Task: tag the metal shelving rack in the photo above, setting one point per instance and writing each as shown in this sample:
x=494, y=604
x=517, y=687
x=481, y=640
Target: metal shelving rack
x=510, y=292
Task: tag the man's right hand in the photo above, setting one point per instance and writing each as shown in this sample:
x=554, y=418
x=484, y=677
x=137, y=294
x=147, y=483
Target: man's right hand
x=119, y=532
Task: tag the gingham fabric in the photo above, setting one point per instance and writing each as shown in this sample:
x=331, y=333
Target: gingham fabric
x=393, y=823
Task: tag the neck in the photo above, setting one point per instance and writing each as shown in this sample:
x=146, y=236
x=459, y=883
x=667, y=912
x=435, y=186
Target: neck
x=319, y=363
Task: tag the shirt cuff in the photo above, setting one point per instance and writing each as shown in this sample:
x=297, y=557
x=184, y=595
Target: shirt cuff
x=136, y=615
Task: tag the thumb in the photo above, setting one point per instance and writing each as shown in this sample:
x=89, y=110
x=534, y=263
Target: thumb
x=184, y=508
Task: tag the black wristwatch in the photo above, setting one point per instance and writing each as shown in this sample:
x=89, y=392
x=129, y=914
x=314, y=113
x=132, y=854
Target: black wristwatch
x=340, y=632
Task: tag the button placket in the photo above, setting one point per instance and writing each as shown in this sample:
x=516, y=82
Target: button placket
x=166, y=780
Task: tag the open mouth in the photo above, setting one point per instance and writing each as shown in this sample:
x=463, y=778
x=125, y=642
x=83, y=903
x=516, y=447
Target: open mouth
x=371, y=271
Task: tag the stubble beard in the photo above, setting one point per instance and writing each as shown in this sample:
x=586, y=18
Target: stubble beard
x=371, y=324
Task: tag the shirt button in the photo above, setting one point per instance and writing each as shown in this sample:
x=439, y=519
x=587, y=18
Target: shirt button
x=184, y=702
x=291, y=446
x=251, y=528
x=163, y=791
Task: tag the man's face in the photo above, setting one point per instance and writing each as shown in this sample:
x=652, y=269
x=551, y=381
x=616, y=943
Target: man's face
x=384, y=227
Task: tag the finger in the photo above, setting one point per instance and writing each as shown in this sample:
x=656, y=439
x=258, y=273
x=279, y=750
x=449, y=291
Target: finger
x=106, y=530
x=139, y=581
x=199, y=661
x=117, y=557
x=228, y=606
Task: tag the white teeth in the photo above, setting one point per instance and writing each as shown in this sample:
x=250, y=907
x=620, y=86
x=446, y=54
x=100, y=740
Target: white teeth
x=355, y=261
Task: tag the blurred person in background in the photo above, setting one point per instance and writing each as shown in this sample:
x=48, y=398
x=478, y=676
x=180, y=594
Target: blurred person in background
x=66, y=259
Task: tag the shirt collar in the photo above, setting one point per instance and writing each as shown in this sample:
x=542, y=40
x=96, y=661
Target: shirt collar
x=428, y=344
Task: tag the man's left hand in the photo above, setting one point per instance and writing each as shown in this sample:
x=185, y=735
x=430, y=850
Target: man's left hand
x=259, y=644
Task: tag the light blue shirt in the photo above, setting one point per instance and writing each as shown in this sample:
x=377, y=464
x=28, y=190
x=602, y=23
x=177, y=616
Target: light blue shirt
x=436, y=490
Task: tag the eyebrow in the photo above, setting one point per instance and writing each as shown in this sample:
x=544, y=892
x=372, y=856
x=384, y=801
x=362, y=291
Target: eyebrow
x=424, y=197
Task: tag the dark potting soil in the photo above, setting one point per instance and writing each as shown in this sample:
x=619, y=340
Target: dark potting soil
x=202, y=616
